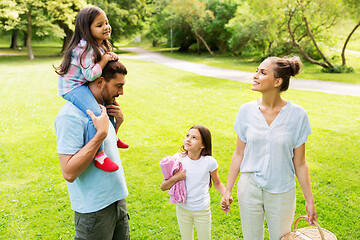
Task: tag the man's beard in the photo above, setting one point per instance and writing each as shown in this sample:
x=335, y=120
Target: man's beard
x=105, y=96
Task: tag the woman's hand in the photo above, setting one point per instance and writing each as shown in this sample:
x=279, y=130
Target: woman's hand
x=225, y=202
x=311, y=213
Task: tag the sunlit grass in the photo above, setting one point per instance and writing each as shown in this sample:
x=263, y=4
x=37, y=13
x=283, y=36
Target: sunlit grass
x=160, y=104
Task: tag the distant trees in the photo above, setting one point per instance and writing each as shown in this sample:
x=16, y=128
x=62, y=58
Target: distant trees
x=126, y=17
x=56, y=18
x=42, y=18
x=257, y=27
x=192, y=21
x=62, y=13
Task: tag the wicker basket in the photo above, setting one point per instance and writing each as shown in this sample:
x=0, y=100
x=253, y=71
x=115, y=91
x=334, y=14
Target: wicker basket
x=309, y=233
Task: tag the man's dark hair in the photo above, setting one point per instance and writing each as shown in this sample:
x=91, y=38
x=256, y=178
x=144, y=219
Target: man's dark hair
x=111, y=69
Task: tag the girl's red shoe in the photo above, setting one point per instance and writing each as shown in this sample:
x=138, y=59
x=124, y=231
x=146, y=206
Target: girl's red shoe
x=121, y=144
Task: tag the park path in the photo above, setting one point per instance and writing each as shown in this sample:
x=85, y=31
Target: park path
x=236, y=75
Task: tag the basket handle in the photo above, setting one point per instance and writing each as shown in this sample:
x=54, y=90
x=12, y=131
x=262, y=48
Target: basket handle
x=317, y=226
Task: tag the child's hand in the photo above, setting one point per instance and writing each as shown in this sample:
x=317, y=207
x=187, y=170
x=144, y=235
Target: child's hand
x=225, y=203
x=110, y=56
x=114, y=56
x=180, y=175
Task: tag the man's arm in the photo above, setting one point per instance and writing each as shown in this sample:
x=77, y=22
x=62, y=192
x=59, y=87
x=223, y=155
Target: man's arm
x=73, y=165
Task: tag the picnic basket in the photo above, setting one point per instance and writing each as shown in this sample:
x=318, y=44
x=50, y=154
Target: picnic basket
x=309, y=233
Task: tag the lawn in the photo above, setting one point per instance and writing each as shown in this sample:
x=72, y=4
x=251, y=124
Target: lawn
x=160, y=104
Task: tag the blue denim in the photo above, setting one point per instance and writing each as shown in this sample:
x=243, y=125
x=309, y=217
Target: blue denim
x=83, y=99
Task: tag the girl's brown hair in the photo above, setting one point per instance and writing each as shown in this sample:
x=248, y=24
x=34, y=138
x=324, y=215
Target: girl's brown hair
x=205, y=138
x=83, y=22
x=206, y=141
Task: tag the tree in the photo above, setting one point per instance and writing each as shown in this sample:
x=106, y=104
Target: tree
x=31, y=18
x=258, y=27
x=31, y=10
x=310, y=19
x=216, y=33
x=126, y=17
x=354, y=10
x=9, y=19
x=158, y=26
x=63, y=14
x=194, y=14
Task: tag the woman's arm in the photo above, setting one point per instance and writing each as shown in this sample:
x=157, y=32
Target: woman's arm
x=217, y=183
x=167, y=184
x=236, y=161
x=302, y=174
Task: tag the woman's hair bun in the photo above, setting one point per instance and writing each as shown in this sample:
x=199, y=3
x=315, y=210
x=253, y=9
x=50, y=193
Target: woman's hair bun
x=284, y=68
x=295, y=65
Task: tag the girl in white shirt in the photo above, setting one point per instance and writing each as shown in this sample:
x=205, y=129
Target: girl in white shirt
x=199, y=170
x=270, y=151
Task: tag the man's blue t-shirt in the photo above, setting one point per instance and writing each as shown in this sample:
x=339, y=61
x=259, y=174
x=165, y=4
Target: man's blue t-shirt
x=94, y=189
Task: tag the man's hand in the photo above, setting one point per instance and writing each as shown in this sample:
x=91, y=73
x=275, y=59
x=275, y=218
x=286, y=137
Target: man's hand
x=101, y=123
x=115, y=111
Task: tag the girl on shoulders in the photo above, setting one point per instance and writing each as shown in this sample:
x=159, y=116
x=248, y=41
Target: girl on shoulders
x=86, y=56
x=199, y=170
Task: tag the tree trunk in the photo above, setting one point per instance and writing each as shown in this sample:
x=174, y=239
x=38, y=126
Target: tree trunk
x=68, y=35
x=29, y=35
x=302, y=51
x=25, y=38
x=315, y=44
x=269, y=48
x=14, y=40
x=198, y=46
x=346, y=42
x=202, y=39
x=186, y=43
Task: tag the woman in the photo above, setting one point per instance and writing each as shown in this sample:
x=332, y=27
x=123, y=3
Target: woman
x=270, y=150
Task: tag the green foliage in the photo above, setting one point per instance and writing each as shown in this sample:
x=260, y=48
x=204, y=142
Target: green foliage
x=9, y=14
x=207, y=17
x=17, y=17
x=338, y=69
x=126, y=17
x=158, y=27
x=192, y=15
x=34, y=202
x=257, y=26
x=215, y=32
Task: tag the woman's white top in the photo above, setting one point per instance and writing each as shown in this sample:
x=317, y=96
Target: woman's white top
x=197, y=181
x=269, y=150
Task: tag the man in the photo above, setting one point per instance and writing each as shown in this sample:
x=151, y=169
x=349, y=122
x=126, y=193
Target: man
x=97, y=197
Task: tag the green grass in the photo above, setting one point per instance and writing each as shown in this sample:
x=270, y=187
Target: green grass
x=160, y=104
